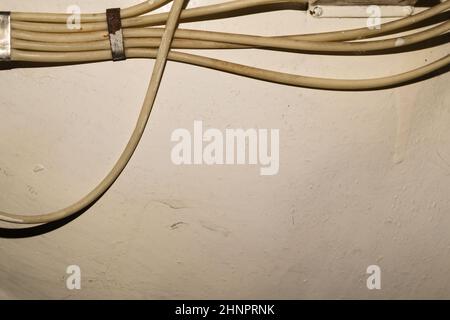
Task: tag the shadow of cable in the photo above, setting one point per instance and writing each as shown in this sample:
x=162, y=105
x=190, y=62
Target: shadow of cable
x=29, y=232
x=427, y=3
x=9, y=65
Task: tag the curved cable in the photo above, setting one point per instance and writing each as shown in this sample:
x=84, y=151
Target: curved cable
x=105, y=184
x=243, y=70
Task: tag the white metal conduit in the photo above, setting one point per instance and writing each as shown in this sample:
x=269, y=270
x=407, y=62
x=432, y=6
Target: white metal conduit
x=45, y=38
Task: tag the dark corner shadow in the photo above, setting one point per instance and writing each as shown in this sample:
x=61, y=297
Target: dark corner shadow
x=427, y=3
x=29, y=232
x=8, y=65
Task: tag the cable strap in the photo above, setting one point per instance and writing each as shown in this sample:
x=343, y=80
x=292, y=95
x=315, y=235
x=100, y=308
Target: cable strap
x=5, y=36
x=115, y=34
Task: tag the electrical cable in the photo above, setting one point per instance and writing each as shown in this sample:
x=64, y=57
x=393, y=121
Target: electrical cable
x=211, y=11
x=239, y=69
x=237, y=39
x=195, y=14
x=45, y=38
x=133, y=11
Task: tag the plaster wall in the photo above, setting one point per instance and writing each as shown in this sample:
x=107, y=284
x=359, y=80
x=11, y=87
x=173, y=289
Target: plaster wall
x=364, y=177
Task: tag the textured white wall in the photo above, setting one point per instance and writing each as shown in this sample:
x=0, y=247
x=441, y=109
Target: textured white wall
x=364, y=177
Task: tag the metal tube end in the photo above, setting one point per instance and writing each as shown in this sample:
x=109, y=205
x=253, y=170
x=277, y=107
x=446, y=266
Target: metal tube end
x=5, y=36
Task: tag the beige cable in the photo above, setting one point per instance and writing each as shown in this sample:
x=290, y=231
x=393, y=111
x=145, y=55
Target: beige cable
x=209, y=40
x=239, y=69
x=204, y=12
x=133, y=11
x=154, y=19
x=344, y=35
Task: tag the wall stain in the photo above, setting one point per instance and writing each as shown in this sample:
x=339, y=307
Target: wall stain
x=173, y=204
x=177, y=225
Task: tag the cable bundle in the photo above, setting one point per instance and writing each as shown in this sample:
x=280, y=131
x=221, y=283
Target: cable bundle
x=45, y=38
x=41, y=37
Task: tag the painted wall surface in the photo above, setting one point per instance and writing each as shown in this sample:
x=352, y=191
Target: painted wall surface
x=364, y=177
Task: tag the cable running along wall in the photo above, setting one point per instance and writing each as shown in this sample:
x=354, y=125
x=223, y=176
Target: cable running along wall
x=138, y=32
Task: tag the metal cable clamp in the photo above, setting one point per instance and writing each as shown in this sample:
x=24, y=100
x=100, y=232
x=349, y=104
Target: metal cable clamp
x=5, y=36
x=115, y=34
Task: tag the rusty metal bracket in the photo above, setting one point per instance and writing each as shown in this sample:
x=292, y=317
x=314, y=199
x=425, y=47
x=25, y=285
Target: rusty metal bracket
x=115, y=34
x=5, y=36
